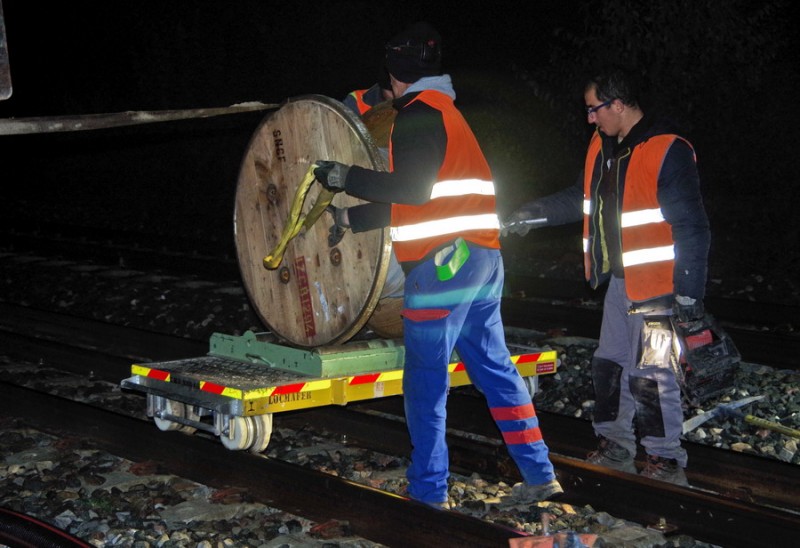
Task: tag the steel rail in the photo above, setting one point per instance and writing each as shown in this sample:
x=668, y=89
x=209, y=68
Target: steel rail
x=476, y=446
x=731, y=517
x=372, y=514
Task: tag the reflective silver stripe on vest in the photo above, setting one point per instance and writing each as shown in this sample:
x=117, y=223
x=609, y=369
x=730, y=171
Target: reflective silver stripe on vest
x=632, y=218
x=462, y=187
x=648, y=255
x=642, y=217
x=439, y=227
x=587, y=209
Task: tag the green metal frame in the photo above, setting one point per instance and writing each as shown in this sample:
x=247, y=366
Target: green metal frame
x=323, y=362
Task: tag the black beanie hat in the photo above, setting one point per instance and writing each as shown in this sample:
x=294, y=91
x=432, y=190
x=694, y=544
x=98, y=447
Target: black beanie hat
x=415, y=53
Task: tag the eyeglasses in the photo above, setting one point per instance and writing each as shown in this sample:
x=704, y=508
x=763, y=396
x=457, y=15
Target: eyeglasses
x=592, y=110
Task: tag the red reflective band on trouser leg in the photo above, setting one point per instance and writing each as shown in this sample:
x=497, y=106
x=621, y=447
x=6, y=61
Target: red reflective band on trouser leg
x=518, y=412
x=424, y=314
x=531, y=435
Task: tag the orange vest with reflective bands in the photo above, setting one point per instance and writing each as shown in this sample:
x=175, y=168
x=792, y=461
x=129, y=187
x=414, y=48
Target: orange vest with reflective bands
x=462, y=201
x=358, y=95
x=648, y=251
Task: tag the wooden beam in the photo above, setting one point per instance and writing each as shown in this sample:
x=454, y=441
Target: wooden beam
x=56, y=124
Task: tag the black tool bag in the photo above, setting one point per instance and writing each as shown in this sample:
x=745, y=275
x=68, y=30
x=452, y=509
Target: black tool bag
x=705, y=359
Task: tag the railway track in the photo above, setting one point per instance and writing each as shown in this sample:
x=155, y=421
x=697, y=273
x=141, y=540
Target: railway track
x=738, y=496
x=763, y=332
x=314, y=495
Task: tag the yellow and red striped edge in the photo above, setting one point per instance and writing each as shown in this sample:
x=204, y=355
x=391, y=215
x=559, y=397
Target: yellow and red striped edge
x=537, y=363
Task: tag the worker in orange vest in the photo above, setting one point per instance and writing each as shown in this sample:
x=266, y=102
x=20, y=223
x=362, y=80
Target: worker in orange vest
x=646, y=233
x=361, y=100
x=438, y=197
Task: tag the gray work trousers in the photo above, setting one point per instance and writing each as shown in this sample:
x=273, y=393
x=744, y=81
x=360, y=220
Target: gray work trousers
x=624, y=392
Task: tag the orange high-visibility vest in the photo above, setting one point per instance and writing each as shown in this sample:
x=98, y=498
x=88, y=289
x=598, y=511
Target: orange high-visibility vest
x=462, y=201
x=648, y=250
x=361, y=105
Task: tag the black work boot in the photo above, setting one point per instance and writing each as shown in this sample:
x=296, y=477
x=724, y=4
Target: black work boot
x=612, y=455
x=664, y=469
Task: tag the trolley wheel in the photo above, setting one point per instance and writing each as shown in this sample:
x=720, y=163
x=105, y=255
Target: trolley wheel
x=240, y=435
x=263, y=432
x=179, y=409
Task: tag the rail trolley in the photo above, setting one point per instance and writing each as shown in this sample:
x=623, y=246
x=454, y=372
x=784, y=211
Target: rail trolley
x=234, y=391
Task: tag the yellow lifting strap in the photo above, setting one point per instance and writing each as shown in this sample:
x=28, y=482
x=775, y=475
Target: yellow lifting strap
x=296, y=222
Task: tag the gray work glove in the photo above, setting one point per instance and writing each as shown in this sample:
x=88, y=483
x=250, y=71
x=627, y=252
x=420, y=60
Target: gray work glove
x=530, y=215
x=331, y=175
x=688, y=309
x=339, y=227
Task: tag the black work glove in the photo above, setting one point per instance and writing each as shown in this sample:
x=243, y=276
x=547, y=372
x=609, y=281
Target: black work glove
x=687, y=309
x=530, y=215
x=339, y=227
x=331, y=175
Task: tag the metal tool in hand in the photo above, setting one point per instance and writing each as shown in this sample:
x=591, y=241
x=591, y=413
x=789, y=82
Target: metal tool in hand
x=732, y=410
x=533, y=222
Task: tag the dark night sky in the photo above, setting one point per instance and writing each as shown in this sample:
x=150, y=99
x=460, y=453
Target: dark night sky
x=82, y=57
x=92, y=57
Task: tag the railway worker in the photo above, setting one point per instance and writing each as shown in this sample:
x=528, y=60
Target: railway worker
x=438, y=198
x=361, y=100
x=646, y=233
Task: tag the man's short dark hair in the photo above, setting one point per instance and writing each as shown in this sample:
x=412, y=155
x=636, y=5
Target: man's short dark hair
x=617, y=83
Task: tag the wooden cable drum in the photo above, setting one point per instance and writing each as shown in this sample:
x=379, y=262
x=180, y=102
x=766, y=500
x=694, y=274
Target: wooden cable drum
x=379, y=121
x=385, y=319
x=318, y=295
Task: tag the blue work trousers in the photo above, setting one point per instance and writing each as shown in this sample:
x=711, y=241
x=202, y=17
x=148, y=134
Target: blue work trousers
x=462, y=313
